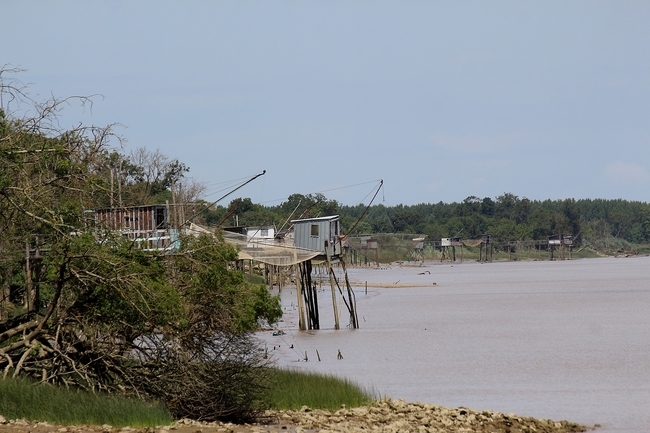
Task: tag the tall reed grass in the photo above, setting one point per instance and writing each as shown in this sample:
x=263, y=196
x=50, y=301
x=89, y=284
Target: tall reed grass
x=292, y=389
x=21, y=398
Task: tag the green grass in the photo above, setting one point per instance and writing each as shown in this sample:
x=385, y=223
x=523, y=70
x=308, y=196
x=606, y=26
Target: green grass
x=289, y=389
x=292, y=389
x=20, y=398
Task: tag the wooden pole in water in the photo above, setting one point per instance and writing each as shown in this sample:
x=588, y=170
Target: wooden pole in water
x=329, y=266
x=301, y=310
x=351, y=296
x=312, y=287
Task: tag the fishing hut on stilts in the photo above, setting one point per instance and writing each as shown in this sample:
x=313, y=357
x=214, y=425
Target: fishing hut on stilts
x=485, y=249
x=417, y=252
x=311, y=245
x=448, y=249
x=322, y=235
x=310, y=241
x=560, y=247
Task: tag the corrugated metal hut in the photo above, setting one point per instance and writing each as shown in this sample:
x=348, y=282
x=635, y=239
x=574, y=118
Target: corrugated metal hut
x=312, y=233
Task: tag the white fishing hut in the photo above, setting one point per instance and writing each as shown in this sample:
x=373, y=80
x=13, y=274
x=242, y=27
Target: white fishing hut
x=451, y=242
x=560, y=240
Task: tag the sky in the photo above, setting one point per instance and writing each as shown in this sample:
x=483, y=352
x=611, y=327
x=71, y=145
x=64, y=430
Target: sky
x=440, y=99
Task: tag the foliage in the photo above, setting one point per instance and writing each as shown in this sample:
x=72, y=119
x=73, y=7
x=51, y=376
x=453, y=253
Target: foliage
x=591, y=222
x=97, y=313
x=507, y=217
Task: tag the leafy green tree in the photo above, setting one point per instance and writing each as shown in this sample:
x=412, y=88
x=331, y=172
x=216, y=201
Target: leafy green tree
x=572, y=213
x=506, y=206
x=502, y=230
x=407, y=221
x=487, y=207
x=470, y=206
x=523, y=232
x=97, y=312
x=523, y=209
x=434, y=232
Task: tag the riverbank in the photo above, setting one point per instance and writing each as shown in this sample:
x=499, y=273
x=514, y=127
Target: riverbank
x=381, y=416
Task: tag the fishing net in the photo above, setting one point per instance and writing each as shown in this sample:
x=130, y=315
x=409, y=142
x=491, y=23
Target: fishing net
x=385, y=247
x=270, y=251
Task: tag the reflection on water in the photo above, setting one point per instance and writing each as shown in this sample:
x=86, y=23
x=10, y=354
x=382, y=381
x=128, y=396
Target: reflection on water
x=561, y=340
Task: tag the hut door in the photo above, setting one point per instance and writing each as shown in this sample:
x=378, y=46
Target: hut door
x=160, y=217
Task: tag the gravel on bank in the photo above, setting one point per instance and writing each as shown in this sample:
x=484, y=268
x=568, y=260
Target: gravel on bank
x=384, y=416
x=392, y=416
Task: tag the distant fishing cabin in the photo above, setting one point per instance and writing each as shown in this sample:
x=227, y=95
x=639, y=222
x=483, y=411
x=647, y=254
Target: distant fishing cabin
x=561, y=243
x=486, y=241
x=448, y=248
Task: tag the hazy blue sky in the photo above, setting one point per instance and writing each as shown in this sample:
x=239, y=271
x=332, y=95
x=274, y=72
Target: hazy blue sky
x=442, y=100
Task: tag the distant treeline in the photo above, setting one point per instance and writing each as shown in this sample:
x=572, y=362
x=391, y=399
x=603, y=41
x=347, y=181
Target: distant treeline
x=598, y=222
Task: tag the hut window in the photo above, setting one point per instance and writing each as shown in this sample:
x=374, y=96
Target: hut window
x=314, y=229
x=264, y=232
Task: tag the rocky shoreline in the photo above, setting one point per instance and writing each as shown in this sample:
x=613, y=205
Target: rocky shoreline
x=384, y=416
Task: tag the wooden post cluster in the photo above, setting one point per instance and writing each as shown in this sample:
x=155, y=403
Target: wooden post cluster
x=331, y=276
x=308, y=314
x=310, y=295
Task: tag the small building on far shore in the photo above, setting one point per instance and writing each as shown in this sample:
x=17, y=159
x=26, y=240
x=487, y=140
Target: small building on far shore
x=260, y=233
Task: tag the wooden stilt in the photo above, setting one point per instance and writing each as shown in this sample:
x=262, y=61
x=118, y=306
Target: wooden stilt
x=314, y=294
x=301, y=309
x=329, y=265
x=310, y=296
x=354, y=319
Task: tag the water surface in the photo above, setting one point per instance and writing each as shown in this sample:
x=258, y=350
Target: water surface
x=560, y=340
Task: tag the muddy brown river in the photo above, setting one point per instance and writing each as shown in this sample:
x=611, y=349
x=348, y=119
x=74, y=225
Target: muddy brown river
x=562, y=340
